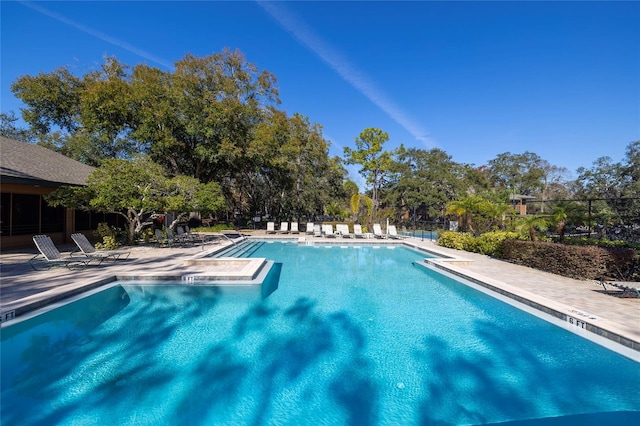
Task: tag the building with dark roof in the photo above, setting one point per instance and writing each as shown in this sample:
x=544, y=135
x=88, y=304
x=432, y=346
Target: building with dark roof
x=27, y=173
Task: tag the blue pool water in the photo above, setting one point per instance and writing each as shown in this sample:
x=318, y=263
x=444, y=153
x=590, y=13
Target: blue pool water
x=342, y=335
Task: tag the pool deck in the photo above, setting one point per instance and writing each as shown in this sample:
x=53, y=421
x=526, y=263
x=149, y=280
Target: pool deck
x=584, y=302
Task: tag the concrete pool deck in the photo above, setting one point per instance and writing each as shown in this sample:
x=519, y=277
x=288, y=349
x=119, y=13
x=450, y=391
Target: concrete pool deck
x=615, y=318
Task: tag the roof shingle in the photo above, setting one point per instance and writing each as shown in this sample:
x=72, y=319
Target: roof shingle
x=28, y=163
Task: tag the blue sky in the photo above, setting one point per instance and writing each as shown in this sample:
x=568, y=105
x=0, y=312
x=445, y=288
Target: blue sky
x=476, y=79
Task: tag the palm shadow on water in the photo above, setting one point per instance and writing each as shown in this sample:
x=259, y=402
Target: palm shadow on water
x=88, y=367
x=276, y=354
x=519, y=369
x=268, y=360
x=526, y=382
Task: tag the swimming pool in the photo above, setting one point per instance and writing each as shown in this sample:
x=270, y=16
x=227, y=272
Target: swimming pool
x=347, y=335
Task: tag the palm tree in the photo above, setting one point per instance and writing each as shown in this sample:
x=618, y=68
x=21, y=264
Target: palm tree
x=467, y=208
x=533, y=223
x=564, y=212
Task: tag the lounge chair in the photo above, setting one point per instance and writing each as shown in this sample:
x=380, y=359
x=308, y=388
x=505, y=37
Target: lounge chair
x=377, y=231
x=294, y=228
x=393, y=233
x=328, y=231
x=160, y=238
x=50, y=256
x=176, y=238
x=344, y=231
x=271, y=228
x=357, y=231
x=194, y=236
x=188, y=237
x=284, y=227
x=310, y=227
x=317, y=230
x=85, y=246
x=168, y=240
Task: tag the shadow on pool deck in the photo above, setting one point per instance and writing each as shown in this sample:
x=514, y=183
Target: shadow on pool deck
x=20, y=284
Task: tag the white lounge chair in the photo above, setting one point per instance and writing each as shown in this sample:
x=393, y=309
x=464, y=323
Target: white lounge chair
x=357, y=231
x=294, y=228
x=328, y=231
x=393, y=233
x=284, y=227
x=317, y=230
x=50, y=256
x=85, y=246
x=310, y=227
x=344, y=231
x=271, y=228
x=377, y=231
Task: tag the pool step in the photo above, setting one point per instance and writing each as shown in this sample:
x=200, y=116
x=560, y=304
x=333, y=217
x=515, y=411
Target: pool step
x=244, y=249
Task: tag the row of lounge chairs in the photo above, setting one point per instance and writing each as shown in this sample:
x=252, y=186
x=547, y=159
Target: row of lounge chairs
x=49, y=255
x=181, y=236
x=326, y=230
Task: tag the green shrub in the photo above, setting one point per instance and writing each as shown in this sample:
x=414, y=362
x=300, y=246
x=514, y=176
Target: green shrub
x=490, y=243
x=453, y=239
x=147, y=235
x=108, y=243
x=108, y=235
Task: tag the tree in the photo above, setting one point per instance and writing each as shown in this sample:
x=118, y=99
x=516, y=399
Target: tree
x=186, y=194
x=519, y=173
x=195, y=121
x=469, y=209
x=554, y=182
x=375, y=163
x=361, y=205
x=52, y=100
x=613, y=187
x=533, y=223
x=631, y=181
x=288, y=170
x=426, y=179
x=90, y=116
x=9, y=129
x=565, y=212
x=602, y=180
x=136, y=189
x=213, y=118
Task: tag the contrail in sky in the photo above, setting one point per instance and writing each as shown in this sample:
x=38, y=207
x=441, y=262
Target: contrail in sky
x=104, y=37
x=340, y=64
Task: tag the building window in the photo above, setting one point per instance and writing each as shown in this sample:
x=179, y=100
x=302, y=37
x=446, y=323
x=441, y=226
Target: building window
x=5, y=213
x=52, y=218
x=83, y=220
x=25, y=214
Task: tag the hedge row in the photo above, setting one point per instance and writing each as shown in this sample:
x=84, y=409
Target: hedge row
x=573, y=261
x=579, y=262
